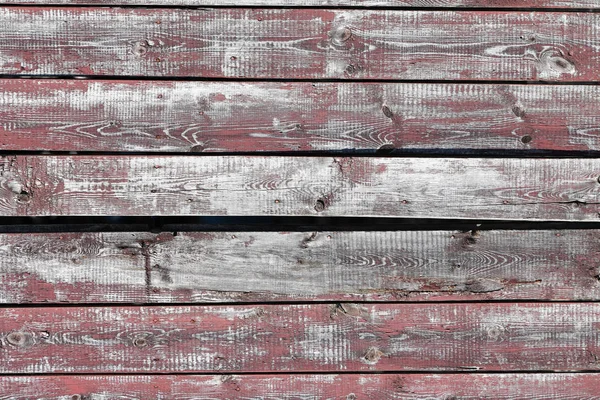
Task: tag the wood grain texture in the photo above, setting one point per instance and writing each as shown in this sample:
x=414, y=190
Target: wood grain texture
x=301, y=338
x=479, y=4
x=299, y=266
x=306, y=387
x=300, y=43
x=76, y=115
x=519, y=189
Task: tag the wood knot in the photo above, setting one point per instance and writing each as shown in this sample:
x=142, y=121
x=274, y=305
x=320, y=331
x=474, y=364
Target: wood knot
x=385, y=148
x=140, y=341
x=320, y=205
x=496, y=332
x=24, y=197
x=198, y=148
x=140, y=48
x=20, y=339
x=598, y=179
x=526, y=139
x=387, y=112
x=552, y=64
x=341, y=35
x=518, y=111
x=373, y=355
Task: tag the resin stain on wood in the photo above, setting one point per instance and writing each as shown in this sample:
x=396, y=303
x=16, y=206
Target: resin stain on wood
x=176, y=116
x=300, y=44
x=299, y=266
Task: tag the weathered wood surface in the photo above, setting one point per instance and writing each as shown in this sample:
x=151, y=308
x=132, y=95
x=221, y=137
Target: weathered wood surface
x=301, y=338
x=301, y=386
x=300, y=43
x=519, y=189
x=299, y=266
x=478, y=4
x=76, y=115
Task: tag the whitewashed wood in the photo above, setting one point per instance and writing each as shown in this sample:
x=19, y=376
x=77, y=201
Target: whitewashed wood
x=519, y=189
x=298, y=266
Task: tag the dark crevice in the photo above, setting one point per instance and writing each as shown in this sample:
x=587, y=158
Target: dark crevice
x=268, y=223
x=292, y=80
x=350, y=152
x=458, y=370
x=381, y=7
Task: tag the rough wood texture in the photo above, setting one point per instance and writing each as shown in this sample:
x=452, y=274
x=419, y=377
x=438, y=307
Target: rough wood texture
x=163, y=116
x=299, y=266
x=499, y=4
x=300, y=43
x=519, y=189
x=307, y=387
x=301, y=338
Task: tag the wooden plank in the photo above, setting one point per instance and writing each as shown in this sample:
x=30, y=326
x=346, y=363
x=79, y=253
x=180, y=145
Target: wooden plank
x=301, y=338
x=478, y=4
x=300, y=43
x=298, y=266
x=519, y=189
x=167, y=116
x=346, y=386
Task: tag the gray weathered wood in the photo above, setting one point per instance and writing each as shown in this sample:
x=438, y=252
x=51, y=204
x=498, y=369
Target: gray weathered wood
x=519, y=189
x=298, y=266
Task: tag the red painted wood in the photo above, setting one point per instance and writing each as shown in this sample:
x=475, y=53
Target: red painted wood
x=300, y=43
x=300, y=386
x=295, y=338
x=155, y=116
x=550, y=4
x=298, y=266
x=519, y=189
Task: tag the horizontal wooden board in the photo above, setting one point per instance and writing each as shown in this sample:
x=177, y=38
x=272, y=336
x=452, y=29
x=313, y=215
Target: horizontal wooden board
x=519, y=189
x=479, y=4
x=301, y=338
x=167, y=116
x=299, y=266
x=309, y=387
x=300, y=43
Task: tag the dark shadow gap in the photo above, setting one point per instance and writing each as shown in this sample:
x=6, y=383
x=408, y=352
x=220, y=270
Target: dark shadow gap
x=310, y=7
x=267, y=223
x=368, y=153
x=293, y=80
x=465, y=370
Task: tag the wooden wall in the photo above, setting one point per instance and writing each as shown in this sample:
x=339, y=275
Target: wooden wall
x=386, y=126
